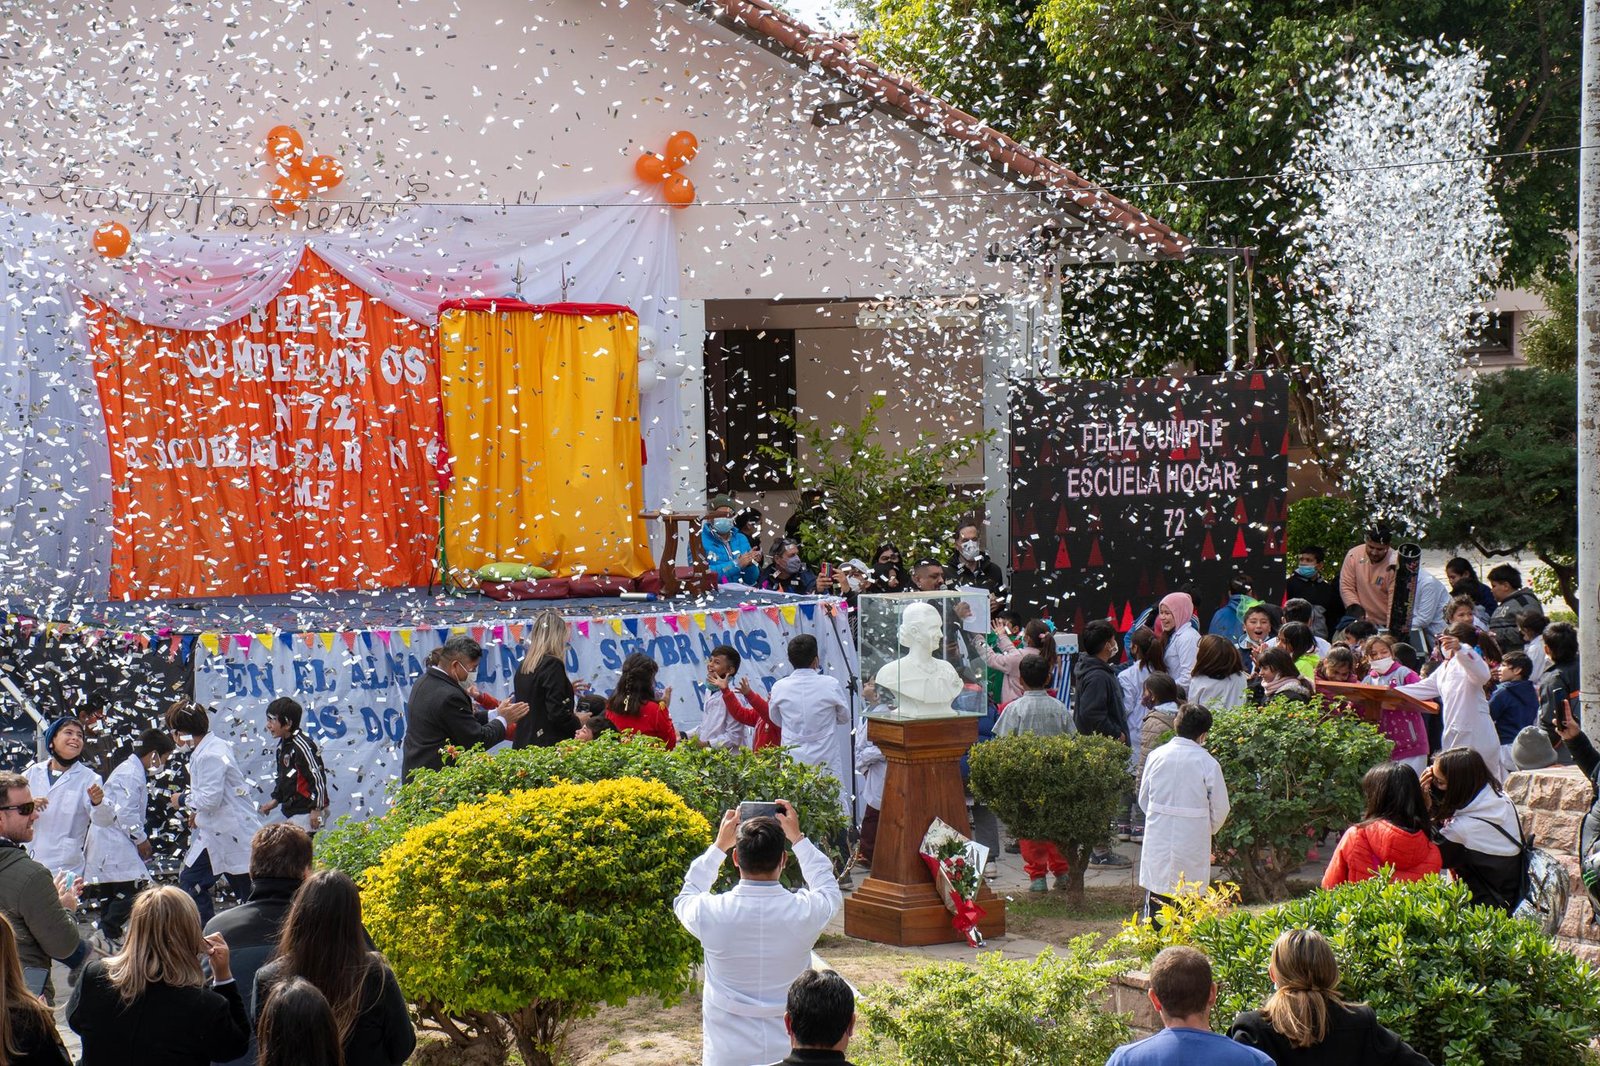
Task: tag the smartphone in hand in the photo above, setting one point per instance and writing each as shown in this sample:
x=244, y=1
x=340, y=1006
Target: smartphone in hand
x=757, y=809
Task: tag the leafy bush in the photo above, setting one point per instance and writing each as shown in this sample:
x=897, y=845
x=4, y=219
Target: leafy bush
x=1292, y=769
x=709, y=780
x=1001, y=1012
x=1329, y=522
x=1464, y=984
x=1064, y=789
x=539, y=906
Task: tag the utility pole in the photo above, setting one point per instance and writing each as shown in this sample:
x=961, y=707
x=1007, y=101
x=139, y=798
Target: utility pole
x=1589, y=369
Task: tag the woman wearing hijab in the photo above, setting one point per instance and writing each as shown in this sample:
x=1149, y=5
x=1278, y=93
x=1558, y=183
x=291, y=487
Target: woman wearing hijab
x=1180, y=639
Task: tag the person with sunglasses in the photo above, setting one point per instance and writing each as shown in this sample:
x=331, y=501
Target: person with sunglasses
x=40, y=907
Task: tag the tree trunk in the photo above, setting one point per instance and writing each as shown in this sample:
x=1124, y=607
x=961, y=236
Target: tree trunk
x=1566, y=578
x=1077, y=866
x=540, y=1031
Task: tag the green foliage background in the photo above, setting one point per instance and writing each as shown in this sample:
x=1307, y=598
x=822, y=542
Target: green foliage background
x=1515, y=486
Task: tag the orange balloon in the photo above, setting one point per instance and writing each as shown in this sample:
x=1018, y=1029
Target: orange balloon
x=111, y=239
x=651, y=167
x=287, y=194
x=284, y=143
x=323, y=173
x=681, y=148
x=678, y=191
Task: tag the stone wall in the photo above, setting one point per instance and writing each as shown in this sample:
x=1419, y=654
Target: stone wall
x=1553, y=803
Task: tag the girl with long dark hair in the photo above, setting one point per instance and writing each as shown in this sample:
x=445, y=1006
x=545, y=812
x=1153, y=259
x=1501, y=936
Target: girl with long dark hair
x=324, y=943
x=633, y=706
x=1393, y=831
x=1480, y=833
x=28, y=1035
x=297, y=1028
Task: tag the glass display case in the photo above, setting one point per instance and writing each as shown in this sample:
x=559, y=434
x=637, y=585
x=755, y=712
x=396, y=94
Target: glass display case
x=919, y=653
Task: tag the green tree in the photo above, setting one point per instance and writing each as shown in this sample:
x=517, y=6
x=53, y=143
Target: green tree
x=874, y=495
x=1180, y=105
x=1551, y=341
x=1515, y=486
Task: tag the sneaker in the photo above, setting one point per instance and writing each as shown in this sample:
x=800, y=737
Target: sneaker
x=1014, y=848
x=1039, y=884
x=1110, y=860
x=1061, y=883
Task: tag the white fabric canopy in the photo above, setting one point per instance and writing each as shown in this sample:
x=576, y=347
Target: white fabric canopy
x=55, y=495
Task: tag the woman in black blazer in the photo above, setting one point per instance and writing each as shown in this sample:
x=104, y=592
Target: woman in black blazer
x=148, y=1005
x=324, y=942
x=1306, y=1023
x=542, y=684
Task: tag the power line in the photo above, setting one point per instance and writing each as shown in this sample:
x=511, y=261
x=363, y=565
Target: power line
x=124, y=196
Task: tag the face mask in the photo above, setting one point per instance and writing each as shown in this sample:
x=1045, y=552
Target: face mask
x=1381, y=666
x=853, y=583
x=792, y=566
x=1307, y=572
x=970, y=550
x=722, y=527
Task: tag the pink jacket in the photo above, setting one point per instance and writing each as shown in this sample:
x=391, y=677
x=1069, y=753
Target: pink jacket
x=1406, y=728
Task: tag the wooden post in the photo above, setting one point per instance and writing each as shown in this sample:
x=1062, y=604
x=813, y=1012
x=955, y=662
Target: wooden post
x=898, y=903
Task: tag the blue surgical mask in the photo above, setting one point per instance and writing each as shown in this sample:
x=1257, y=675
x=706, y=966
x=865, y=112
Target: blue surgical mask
x=793, y=565
x=1306, y=572
x=722, y=526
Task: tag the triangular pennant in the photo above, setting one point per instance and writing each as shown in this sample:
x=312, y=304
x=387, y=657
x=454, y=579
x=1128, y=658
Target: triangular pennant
x=1063, y=560
x=1095, y=558
x=515, y=629
x=211, y=641
x=771, y=613
x=730, y=618
x=1240, y=515
x=349, y=638
x=243, y=640
x=1255, y=443
x=327, y=640
x=582, y=627
x=187, y=649
x=650, y=624
x=616, y=626
x=633, y=626
x=174, y=647
x=672, y=621
x=1208, y=550
x=788, y=613
x=499, y=634
x=366, y=638
x=384, y=636
x=479, y=632
x=700, y=619
x=1127, y=616
x=405, y=637
x=266, y=640
x=1240, y=551
x=809, y=610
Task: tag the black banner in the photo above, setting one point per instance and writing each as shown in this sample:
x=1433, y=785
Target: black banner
x=1121, y=492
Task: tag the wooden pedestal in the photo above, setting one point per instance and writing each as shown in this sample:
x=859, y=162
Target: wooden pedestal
x=898, y=903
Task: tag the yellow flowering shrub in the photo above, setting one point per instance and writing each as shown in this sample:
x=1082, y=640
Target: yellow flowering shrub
x=538, y=906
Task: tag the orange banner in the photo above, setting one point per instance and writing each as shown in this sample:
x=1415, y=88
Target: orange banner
x=292, y=449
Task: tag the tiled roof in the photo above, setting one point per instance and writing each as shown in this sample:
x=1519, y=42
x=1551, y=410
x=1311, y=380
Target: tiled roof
x=835, y=56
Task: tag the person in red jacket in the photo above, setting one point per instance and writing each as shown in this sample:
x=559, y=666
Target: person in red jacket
x=1392, y=832
x=633, y=707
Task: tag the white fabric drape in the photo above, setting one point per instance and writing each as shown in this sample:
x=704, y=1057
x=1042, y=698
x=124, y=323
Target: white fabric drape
x=55, y=509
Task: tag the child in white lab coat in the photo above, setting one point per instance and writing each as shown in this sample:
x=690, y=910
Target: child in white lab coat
x=1185, y=801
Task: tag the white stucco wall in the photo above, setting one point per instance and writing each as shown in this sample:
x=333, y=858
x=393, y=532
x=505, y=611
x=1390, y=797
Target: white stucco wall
x=499, y=100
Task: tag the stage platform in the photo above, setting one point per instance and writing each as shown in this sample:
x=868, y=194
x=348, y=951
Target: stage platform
x=320, y=612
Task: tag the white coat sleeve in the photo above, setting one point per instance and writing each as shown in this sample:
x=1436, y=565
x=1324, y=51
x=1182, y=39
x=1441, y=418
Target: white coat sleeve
x=102, y=814
x=841, y=713
x=1144, y=784
x=1473, y=667
x=868, y=755
x=696, y=888
x=775, y=703
x=822, y=897
x=207, y=784
x=1217, y=794
x=1425, y=689
x=120, y=802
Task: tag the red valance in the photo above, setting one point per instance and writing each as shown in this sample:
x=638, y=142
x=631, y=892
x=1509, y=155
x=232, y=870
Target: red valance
x=496, y=304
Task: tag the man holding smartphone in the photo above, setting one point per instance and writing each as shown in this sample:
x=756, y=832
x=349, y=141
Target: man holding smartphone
x=757, y=937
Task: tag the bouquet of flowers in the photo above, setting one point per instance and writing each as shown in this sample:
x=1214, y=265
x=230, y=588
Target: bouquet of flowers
x=956, y=864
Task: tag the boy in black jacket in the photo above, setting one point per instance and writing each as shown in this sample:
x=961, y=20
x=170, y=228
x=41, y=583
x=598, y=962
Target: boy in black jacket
x=1097, y=706
x=302, y=785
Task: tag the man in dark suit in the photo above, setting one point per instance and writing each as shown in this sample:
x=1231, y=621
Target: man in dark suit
x=820, y=1017
x=440, y=712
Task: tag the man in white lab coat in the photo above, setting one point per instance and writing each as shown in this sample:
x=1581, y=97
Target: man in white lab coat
x=757, y=937
x=1185, y=801
x=809, y=707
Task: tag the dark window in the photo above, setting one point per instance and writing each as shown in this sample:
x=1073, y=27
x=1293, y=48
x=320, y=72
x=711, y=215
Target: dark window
x=1496, y=334
x=749, y=374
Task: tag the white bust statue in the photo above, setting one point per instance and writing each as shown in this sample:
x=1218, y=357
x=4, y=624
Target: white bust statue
x=923, y=686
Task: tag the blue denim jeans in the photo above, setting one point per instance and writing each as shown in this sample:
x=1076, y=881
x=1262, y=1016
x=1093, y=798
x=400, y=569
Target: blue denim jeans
x=198, y=879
